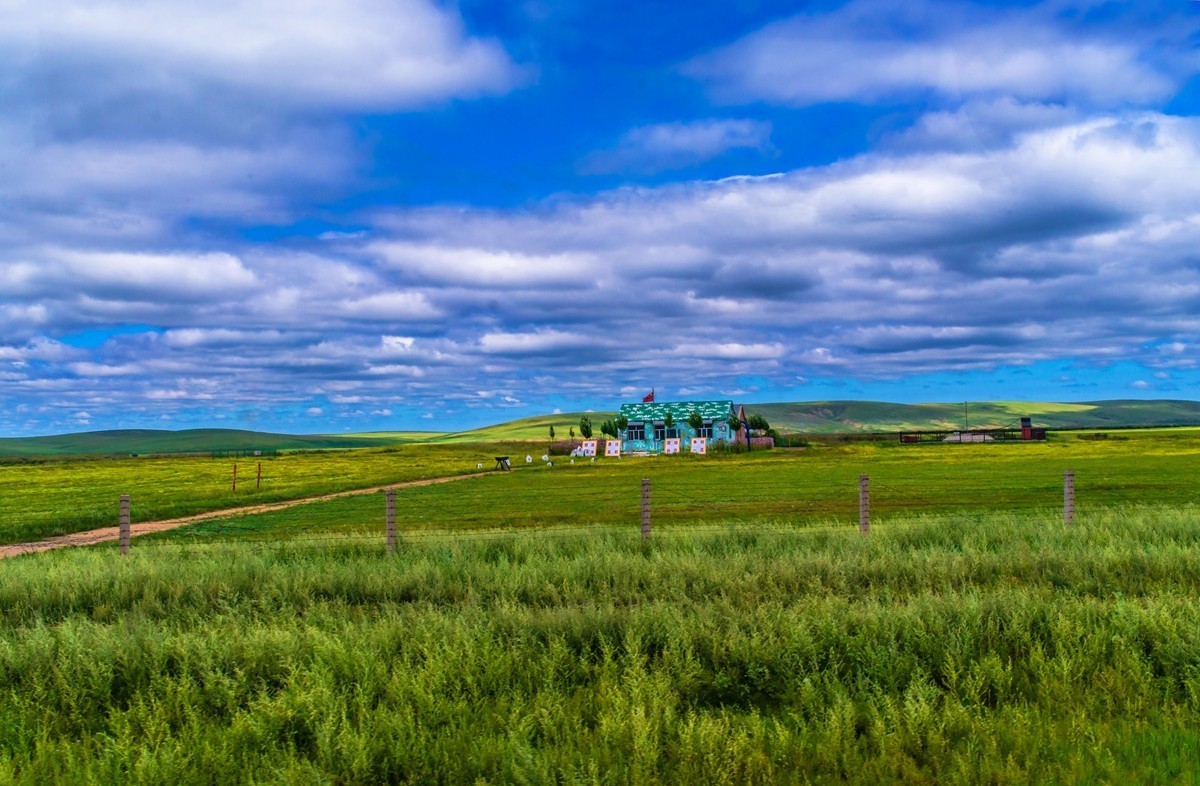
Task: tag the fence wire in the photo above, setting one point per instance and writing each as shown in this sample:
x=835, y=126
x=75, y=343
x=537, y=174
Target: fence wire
x=709, y=499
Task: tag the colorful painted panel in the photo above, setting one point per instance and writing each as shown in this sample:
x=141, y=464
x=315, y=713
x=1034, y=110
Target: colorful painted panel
x=589, y=447
x=671, y=446
x=613, y=448
x=699, y=446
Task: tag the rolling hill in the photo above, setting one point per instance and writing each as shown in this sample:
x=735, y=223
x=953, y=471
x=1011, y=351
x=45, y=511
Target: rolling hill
x=813, y=417
x=125, y=441
x=832, y=417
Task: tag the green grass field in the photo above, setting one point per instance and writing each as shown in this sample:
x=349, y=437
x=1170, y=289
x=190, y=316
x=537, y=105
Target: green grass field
x=58, y=497
x=995, y=649
x=149, y=441
x=524, y=633
x=780, y=487
x=1150, y=467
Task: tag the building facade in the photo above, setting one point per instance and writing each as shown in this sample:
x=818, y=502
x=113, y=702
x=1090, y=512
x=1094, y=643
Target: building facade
x=647, y=429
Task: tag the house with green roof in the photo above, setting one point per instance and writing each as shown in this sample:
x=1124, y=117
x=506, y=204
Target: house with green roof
x=647, y=427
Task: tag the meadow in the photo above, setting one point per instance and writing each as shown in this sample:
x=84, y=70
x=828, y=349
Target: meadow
x=55, y=497
x=1137, y=467
x=779, y=488
x=523, y=632
x=1009, y=648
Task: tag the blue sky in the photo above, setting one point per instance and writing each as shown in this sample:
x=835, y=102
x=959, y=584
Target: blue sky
x=395, y=214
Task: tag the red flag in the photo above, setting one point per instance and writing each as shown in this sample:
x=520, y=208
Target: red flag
x=649, y=397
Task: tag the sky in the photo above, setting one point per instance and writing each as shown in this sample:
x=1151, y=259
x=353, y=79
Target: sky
x=369, y=215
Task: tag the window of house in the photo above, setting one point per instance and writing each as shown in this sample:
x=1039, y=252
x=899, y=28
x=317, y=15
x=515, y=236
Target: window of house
x=635, y=431
x=660, y=431
x=705, y=430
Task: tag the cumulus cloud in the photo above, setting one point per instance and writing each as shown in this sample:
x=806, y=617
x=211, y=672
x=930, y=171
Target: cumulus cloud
x=874, y=50
x=664, y=146
x=358, y=53
x=1076, y=240
x=127, y=123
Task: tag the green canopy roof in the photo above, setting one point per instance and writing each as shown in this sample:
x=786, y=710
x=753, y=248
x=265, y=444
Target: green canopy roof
x=646, y=413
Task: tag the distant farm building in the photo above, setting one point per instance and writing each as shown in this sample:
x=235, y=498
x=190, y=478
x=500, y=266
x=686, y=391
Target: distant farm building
x=1026, y=433
x=647, y=429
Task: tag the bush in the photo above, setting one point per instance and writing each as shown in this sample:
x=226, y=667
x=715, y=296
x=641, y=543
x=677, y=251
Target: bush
x=562, y=448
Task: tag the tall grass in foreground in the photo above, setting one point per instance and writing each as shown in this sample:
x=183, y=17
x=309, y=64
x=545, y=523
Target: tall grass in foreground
x=1002, y=649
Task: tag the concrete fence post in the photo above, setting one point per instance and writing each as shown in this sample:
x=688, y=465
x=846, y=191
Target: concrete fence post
x=1069, y=497
x=390, y=496
x=645, y=509
x=864, y=504
x=123, y=524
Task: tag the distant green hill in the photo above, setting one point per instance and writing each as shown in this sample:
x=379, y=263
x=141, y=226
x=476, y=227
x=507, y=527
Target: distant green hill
x=186, y=441
x=833, y=417
x=533, y=428
x=812, y=417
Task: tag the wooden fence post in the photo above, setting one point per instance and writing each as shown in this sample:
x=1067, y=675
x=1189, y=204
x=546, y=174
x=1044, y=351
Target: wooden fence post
x=645, y=509
x=235, y=477
x=258, y=483
x=390, y=495
x=1069, y=497
x=864, y=504
x=123, y=524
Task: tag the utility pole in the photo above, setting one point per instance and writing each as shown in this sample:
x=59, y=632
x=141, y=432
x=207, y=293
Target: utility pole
x=966, y=417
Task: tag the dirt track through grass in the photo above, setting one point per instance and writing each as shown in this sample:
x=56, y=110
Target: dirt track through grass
x=104, y=534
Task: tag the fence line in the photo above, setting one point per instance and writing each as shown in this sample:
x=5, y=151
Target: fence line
x=481, y=512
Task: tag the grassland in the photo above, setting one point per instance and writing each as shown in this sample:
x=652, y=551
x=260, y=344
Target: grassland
x=155, y=441
x=833, y=417
x=58, y=497
x=1151, y=467
x=817, y=484
x=523, y=632
x=531, y=428
x=990, y=649
x=819, y=417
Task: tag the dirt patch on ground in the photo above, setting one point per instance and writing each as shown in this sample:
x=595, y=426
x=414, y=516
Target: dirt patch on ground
x=145, y=527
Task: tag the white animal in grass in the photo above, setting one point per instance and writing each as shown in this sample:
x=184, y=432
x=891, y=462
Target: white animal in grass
x=529, y=459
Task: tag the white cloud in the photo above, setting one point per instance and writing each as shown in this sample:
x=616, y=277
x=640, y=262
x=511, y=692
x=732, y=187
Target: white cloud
x=389, y=307
x=873, y=50
x=535, y=343
x=314, y=412
x=664, y=146
x=377, y=54
x=1073, y=241
x=437, y=264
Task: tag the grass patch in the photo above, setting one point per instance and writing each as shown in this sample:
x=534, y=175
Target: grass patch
x=59, y=497
x=992, y=649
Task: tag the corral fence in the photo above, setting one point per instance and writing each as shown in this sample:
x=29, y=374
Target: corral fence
x=471, y=510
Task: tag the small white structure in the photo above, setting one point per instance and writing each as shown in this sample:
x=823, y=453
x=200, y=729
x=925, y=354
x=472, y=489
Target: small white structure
x=967, y=436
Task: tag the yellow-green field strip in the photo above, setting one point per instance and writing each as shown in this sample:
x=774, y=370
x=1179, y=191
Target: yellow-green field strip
x=106, y=534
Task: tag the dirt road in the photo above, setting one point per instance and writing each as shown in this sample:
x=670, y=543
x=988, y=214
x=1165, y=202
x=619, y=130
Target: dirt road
x=111, y=533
